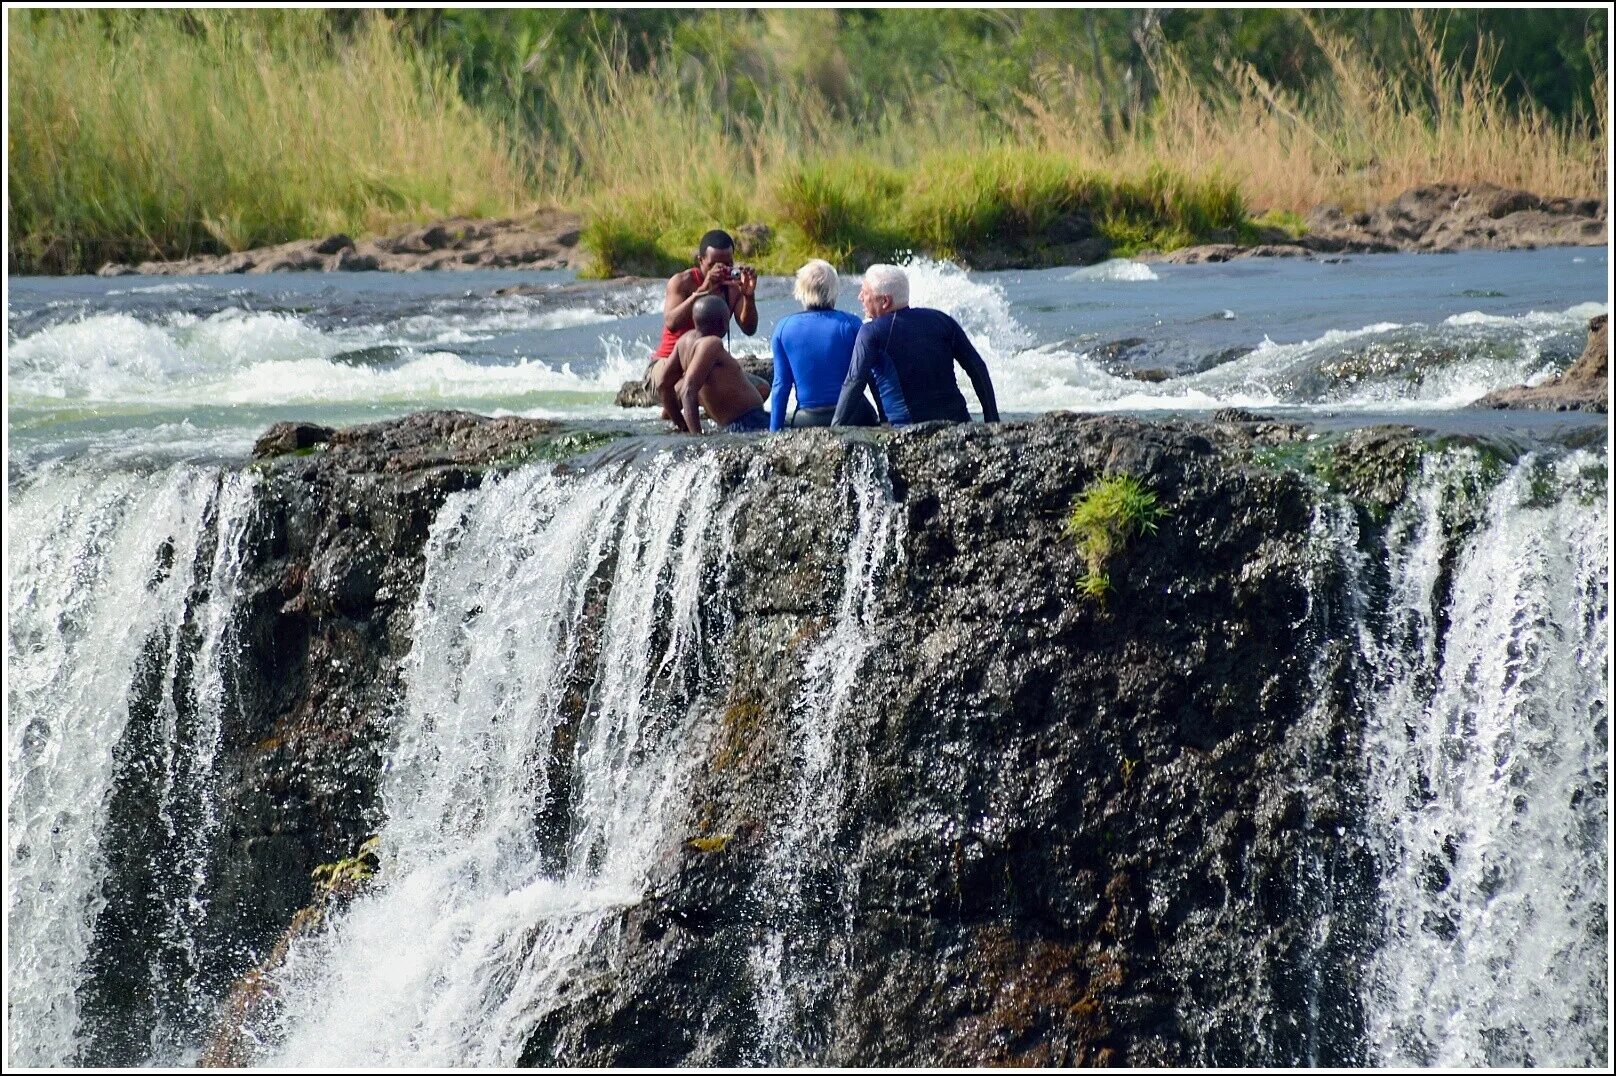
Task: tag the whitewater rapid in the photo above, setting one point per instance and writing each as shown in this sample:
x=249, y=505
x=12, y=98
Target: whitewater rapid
x=209, y=363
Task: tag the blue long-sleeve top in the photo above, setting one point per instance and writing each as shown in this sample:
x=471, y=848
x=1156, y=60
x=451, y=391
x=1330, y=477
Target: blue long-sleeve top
x=910, y=354
x=812, y=350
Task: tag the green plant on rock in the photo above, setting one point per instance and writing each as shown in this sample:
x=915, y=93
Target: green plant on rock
x=1109, y=511
x=346, y=876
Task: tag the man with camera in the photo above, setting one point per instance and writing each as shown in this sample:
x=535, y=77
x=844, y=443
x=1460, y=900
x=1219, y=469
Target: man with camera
x=715, y=273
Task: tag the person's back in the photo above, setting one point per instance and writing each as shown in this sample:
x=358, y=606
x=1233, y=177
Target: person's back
x=812, y=351
x=910, y=352
x=910, y=355
x=711, y=378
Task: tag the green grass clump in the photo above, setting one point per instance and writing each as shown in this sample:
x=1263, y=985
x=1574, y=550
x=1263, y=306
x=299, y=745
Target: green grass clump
x=841, y=210
x=852, y=210
x=346, y=876
x=1286, y=221
x=1105, y=515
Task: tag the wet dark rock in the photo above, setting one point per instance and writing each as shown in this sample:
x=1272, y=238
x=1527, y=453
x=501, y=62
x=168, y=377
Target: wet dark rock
x=1073, y=833
x=1585, y=386
x=284, y=437
x=1074, y=841
x=1374, y=464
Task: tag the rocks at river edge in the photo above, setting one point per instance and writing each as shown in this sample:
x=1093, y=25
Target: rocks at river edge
x=1585, y=386
x=1436, y=218
x=543, y=241
x=1448, y=217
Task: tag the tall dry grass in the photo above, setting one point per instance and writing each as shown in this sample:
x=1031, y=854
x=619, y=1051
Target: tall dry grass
x=172, y=134
x=168, y=134
x=1361, y=136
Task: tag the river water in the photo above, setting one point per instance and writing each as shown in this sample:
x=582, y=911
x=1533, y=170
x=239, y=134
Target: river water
x=197, y=367
x=1480, y=616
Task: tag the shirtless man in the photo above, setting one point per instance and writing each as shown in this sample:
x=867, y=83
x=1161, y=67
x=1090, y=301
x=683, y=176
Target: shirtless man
x=709, y=377
x=713, y=274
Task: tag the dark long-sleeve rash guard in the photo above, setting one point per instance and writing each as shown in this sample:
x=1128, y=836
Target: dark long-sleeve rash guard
x=910, y=354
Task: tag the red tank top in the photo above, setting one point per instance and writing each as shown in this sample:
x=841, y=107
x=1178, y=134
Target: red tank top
x=670, y=338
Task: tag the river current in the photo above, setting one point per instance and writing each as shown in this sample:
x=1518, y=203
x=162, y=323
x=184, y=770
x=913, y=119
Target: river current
x=1477, y=617
x=197, y=367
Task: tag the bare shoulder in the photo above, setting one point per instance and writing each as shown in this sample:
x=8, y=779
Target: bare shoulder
x=680, y=285
x=712, y=347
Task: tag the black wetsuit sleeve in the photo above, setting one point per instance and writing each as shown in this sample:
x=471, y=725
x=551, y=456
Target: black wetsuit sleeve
x=858, y=374
x=977, y=370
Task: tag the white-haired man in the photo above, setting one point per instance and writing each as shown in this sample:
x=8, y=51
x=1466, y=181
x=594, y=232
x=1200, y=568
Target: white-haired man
x=910, y=352
x=812, y=351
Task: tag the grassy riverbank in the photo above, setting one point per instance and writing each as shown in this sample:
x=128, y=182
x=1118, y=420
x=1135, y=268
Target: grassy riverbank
x=148, y=134
x=139, y=135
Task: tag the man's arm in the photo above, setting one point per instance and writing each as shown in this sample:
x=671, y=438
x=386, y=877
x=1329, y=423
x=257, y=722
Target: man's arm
x=666, y=379
x=746, y=315
x=701, y=364
x=858, y=372
x=676, y=305
x=977, y=371
x=783, y=381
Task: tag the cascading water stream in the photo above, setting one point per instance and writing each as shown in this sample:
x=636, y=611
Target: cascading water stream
x=1486, y=735
x=558, y=615
x=121, y=600
x=792, y=968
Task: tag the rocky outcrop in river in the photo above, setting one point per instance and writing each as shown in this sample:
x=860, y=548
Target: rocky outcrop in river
x=1585, y=386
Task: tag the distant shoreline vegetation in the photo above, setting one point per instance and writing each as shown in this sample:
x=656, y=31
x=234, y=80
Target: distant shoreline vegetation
x=851, y=135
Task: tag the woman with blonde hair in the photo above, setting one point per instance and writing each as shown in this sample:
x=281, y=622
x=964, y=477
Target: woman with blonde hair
x=812, y=351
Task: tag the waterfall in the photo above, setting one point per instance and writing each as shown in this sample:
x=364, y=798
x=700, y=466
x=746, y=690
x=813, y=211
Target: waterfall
x=804, y=868
x=570, y=646
x=537, y=764
x=121, y=600
x=1486, y=730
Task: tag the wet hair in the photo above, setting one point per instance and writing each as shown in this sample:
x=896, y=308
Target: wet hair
x=890, y=281
x=717, y=239
x=711, y=315
x=817, y=285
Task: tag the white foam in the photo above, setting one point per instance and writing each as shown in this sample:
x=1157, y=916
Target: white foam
x=1569, y=317
x=1117, y=270
x=240, y=357
x=1385, y=366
